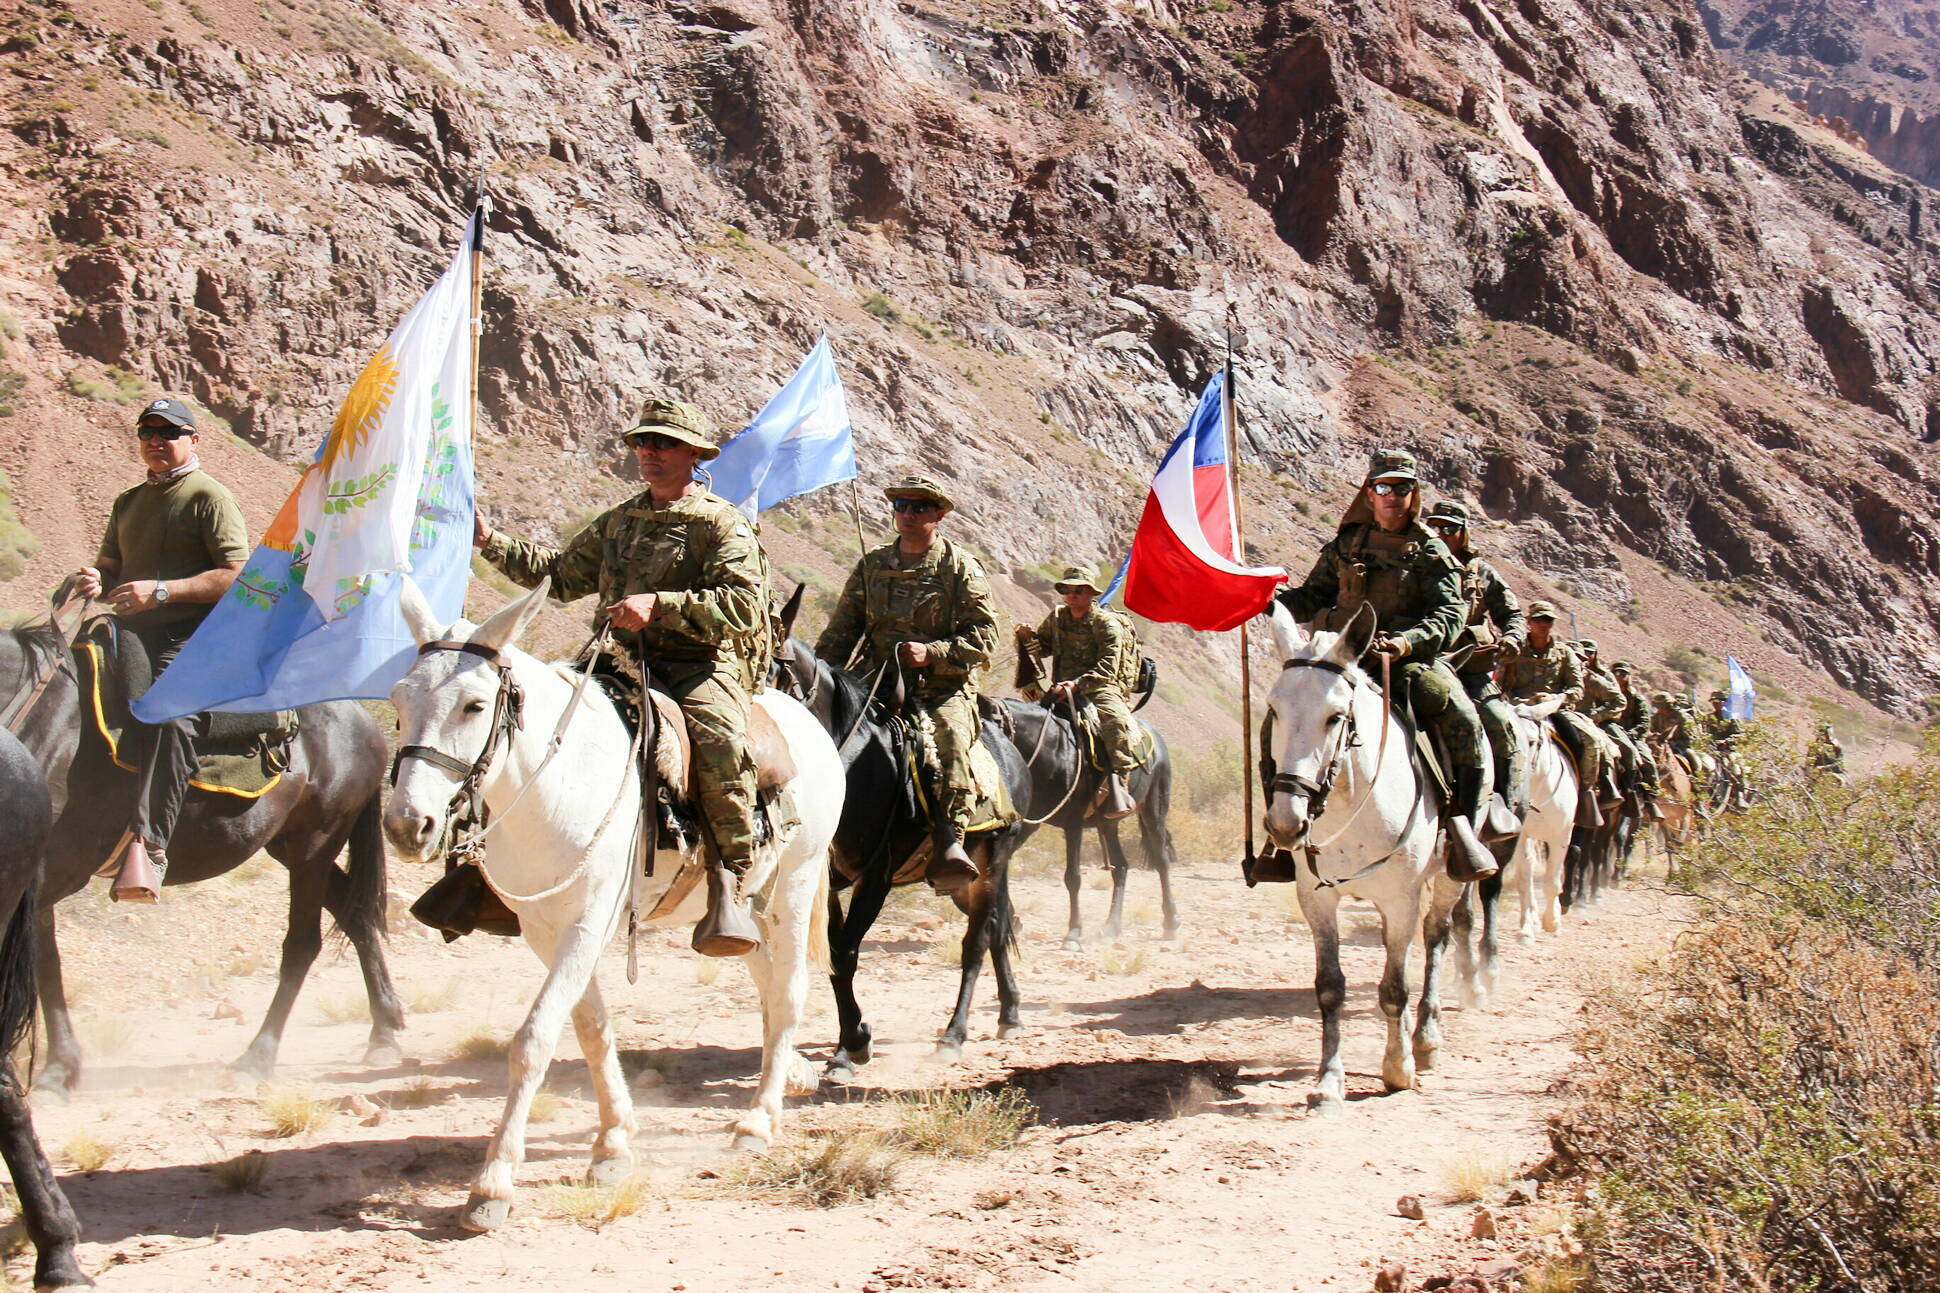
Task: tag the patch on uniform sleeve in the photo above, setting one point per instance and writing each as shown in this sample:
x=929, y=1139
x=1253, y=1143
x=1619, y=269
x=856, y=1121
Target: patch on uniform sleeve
x=743, y=532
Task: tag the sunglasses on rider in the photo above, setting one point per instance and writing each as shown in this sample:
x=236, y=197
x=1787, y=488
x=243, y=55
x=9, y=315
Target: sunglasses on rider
x=911, y=506
x=1393, y=488
x=653, y=440
x=161, y=431
x=1445, y=527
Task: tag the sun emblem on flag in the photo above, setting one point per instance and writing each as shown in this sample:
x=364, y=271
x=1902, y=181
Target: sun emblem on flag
x=362, y=409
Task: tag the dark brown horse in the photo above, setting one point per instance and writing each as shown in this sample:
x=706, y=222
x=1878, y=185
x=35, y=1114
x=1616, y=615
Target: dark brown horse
x=26, y=813
x=329, y=797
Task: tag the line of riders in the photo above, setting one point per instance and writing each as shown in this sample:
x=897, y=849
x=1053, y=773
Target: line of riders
x=685, y=587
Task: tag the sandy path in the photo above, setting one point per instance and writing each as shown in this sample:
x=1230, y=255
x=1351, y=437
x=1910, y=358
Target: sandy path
x=1175, y=1147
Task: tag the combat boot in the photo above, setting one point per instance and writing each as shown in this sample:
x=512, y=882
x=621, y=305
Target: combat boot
x=728, y=928
x=1651, y=810
x=1468, y=859
x=1588, y=815
x=140, y=878
x=1115, y=801
x=950, y=868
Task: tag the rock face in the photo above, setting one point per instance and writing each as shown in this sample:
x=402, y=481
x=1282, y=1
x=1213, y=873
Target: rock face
x=1615, y=295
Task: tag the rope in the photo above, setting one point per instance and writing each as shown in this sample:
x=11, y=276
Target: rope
x=573, y=878
x=1077, y=773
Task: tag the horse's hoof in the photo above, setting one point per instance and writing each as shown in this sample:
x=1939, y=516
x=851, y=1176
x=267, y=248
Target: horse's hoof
x=253, y=1068
x=60, y=1271
x=51, y=1091
x=1325, y=1103
x=481, y=1215
x=1008, y=1028
x=1114, y=932
x=1170, y=933
x=1406, y=1083
x=608, y=1172
x=383, y=1055
x=1072, y=943
x=801, y=1078
x=838, y=1073
x=746, y=1142
x=946, y=1053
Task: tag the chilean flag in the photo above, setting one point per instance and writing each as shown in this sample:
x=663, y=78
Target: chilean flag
x=1182, y=567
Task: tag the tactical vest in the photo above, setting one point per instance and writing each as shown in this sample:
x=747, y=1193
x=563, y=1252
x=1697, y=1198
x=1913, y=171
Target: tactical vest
x=1377, y=569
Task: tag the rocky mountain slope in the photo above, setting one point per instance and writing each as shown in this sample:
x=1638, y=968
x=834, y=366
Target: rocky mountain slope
x=1675, y=339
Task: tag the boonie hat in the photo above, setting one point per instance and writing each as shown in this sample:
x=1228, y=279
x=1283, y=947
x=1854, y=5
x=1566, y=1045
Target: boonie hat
x=1076, y=577
x=1621, y=666
x=1390, y=464
x=676, y=421
x=920, y=487
x=173, y=412
x=1450, y=511
x=1719, y=695
x=1541, y=611
x=1586, y=645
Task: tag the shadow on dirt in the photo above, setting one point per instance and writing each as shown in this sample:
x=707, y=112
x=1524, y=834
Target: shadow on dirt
x=1163, y=1010
x=1130, y=1090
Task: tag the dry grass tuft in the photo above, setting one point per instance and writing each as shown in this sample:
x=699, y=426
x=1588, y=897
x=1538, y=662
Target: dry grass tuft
x=243, y=964
x=88, y=1152
x=481, y=1044
x=429, y=1001
x=945, y=951
x=847, y=1167
x=596, y=1206
x=293, y=1111
x=347, y=1007
x=1122, y=961
x=1195, y=1097
x=961, y=1124
x=418, y=1093
x=1468, y=1177
x=106, y=1036
x=242, y=1174
x=1567, y=1276
x=707, y=969
x=1146, y=911
x=546, y=1107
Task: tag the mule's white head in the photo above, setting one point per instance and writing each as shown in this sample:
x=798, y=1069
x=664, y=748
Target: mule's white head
x=1308, y=716
x=445, y=703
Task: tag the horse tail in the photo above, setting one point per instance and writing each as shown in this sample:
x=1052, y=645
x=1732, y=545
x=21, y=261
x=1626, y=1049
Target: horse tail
x=17, y=997
x=368, y=868
x=818, y=922
x=1156, y=811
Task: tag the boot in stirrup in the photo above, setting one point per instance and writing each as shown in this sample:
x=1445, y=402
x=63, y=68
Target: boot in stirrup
x=727, y=929
x=950, y=868
x=1467, y=858
x=1117, y=801
x=1651, y=811
x=140, y=877
x=1587, y=813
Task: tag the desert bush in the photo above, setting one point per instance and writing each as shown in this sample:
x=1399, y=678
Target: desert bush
x=242, y=1174
x=17, y=542
x=595, y=1206
x=294, y=1110
x=961, y=1124
x=847, y=1167
x=1759, y=1111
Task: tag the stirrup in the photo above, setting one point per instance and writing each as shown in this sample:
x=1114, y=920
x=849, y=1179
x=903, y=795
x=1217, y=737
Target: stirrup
x=1117, y=801
x=1587, y=812
x=140, y=878
x=1498, y=821
x=727, y=929
x=950, y=868
x=1467, y=859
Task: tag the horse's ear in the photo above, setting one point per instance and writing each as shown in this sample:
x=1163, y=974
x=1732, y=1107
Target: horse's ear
x=1356, y=638
x=791, y=608
x=418, y=615
x=506, y=627
x=1287, y=635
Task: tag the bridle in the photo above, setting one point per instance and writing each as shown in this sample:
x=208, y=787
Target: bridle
x=466, y=817
x=1315, y=790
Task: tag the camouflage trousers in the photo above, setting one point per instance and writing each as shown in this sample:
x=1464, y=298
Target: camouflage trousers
x=715, y=702
x=1580, y=735
x=1634, y=763
x=1499, y=723
x=956, y=723
x=1443, y=706
x=1116, y=730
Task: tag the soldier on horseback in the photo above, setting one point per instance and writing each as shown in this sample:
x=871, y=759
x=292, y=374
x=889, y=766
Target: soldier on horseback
x=173, y=546
x=1495, y=629
x=1545, y=669
x=681, y=578
x=1382, y=556
x=1669, y=724
x=1825, y=756
x=923, y=602
x=1606, y=698
x=1088, y=647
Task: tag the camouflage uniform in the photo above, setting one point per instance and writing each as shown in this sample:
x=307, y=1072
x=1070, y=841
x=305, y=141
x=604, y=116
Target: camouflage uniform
x=1535, y=674
x=941, y=600
x=1825, y=754
x=1629, y=724
x=1670, y=722
x=1603, y=702
x=1723, y=730
x=1495, y=627
x=707, y=644
x=1090, y=652
x=1414, y=584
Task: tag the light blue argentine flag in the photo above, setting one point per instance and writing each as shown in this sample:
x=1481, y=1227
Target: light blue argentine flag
x=1741, y=694
x=799, y=442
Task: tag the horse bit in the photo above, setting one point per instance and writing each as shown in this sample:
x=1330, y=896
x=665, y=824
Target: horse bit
x=467, y=812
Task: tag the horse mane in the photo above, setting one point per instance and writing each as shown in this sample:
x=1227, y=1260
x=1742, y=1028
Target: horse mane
x=40, y=642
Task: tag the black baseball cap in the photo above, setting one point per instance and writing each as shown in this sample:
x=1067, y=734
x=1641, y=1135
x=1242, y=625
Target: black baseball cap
x=173, y=412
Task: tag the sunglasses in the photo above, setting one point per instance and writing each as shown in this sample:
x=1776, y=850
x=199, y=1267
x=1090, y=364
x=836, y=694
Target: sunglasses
x=653, y=441
x=1393, y=488
x=162, y=431
x=910, y=506
x=1445, y=527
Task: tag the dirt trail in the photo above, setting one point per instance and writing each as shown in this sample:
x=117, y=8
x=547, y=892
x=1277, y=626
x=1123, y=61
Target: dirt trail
x=1175, y=1147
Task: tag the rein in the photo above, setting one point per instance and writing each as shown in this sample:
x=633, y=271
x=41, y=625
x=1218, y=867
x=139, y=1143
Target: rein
x=1077, y=772
x=21, y=707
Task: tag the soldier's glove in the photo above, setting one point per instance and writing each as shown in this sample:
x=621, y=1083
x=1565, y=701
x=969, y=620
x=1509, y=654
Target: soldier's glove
x=1508, y=647
x=1390, y=645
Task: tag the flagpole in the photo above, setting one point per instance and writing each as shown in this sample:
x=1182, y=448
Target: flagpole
x=1230, y=413
x=480, y=210
x=855, y=510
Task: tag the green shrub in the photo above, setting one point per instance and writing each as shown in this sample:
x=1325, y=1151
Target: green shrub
x=122, y=387
x=882, y=307
x=17, y=542
x=11, y=384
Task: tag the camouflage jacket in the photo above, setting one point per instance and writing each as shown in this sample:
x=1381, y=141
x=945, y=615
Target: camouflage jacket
x=1635, y=715
x=1669, y=722
x=1602, y=699
x=1493, y=616
x=1411, y=579
x=943, y=601
x=1090, y=651
x=697, y=553
x=1130, y=654
x=1827, y=754
x=1535, y=674
x=1723, y=730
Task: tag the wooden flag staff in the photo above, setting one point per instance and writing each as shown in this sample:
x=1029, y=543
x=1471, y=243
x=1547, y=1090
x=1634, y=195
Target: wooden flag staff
x=1229, y=411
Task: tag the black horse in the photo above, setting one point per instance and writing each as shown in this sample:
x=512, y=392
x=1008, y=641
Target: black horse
x=26, y=814
x=1063, y=784
x=329, y=796
x=879, y=845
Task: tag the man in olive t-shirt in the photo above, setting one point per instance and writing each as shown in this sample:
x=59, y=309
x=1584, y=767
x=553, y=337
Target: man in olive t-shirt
x=173, y=546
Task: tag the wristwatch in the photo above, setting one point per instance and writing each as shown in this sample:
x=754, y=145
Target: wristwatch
x=161, y=592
